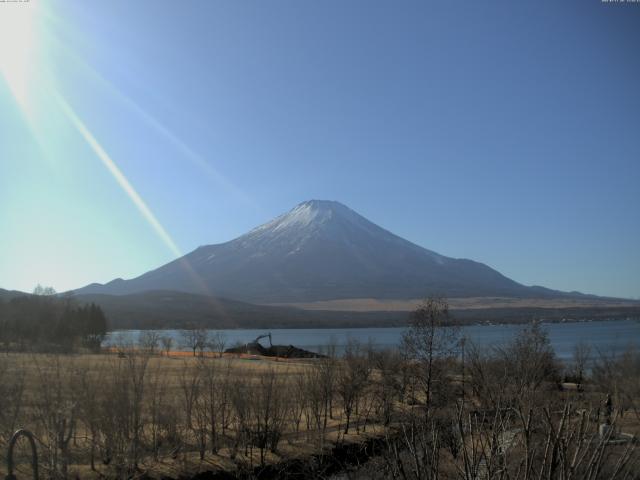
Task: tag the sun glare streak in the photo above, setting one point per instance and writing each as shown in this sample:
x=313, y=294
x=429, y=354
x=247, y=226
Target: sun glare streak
x=132, y=194
x=179, y=144
x=32, y=84
x=118, y=176
x=18, y=48
x=188, y=152
x=155, y=124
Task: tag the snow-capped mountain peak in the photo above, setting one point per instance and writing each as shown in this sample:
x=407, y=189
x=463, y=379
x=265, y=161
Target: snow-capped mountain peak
x=303, y=215
x=319, y=250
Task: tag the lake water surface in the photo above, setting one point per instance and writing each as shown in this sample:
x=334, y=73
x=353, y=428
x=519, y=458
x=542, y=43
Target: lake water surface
x=606, y=336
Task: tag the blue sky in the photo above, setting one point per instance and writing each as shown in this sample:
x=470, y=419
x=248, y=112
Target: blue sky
x=506, y=132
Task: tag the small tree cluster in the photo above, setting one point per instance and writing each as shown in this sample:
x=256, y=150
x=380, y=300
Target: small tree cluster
x=48, y=321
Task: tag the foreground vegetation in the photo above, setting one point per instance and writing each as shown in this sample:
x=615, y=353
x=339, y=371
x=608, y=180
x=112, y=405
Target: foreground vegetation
x=436, y=408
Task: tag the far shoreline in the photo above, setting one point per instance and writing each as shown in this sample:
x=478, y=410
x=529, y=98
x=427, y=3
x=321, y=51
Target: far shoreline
x=462, y=318
x=367, y=327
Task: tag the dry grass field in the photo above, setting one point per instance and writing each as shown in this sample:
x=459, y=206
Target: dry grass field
x=97, y=400
x=467, y=303
x=134, y=413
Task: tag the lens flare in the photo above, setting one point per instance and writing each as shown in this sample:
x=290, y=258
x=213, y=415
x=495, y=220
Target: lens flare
x=155, y=124
x=32, y=84
x=18, y=48
x=137, y=200
x=117, y=175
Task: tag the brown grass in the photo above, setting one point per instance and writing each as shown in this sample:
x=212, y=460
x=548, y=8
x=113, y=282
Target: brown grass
x=471, y=303
x=173, y=368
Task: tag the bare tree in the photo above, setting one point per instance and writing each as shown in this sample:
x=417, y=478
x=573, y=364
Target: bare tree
x=149, y=341
x=388, y=364
x=541, y=443
x=413, y=453
x=316, y=404
x=56, y=409
x=240, y=398
x=167, y=343
x=12, y=386
x=212, y=401
x=581, y=357
x=430, y=341
x=89, y=409
x=195, y=339
x=136, y=367
x=268, y=409
x=353, y=375
x=190, y=386
x=298, y=400
x=513, y=374
x=218, y=342
x=327, y=367
x=121, y=411
x=156, y=407
x=619, y=376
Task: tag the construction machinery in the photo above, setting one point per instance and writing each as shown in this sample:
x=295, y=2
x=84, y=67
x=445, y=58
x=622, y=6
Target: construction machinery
x=266, y=335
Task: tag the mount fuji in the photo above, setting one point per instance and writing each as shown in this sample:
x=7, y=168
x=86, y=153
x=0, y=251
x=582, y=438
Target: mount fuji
x=321, y=250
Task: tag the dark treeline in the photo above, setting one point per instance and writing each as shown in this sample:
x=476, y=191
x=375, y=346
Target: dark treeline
x=45, y=321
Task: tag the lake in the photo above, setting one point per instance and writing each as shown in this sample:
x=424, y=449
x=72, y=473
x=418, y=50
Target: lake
x=607, y=336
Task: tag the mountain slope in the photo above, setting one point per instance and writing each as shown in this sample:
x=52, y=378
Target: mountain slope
x=7, y=295
x=321, y=250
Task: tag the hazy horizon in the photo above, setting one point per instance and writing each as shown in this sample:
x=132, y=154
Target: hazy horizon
x=134, y=132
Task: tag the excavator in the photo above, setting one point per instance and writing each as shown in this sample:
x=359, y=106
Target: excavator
x=256, y=345
x=254, y=349
x=266, y=335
